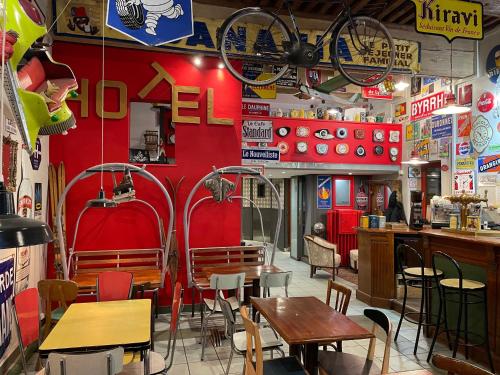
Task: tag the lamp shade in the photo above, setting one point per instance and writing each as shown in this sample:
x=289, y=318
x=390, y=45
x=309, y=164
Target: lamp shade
x=451, y=107
x=17, y=231
x=415, y=159
x=101, y=201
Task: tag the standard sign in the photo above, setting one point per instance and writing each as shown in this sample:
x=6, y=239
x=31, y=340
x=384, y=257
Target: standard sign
x=257, y=131
x=260, y=154
x=424, y=107
x=449, y=18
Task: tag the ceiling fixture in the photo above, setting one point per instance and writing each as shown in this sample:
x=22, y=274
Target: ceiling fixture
x=401, y=85
x=451, y=107
x=415, y=159
x=332, y=111
x=197, y=61
x=15, y=231
x=101, y=201
x=220, y=65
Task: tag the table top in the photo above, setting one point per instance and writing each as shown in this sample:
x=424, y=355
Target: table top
x=251, y=272
x=100, y=325
x=307, y=320
x=414, y=372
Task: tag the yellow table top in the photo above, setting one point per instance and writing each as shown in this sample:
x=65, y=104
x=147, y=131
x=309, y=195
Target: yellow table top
x=98, y=325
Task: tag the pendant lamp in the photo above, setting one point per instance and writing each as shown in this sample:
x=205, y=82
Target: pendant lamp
x=101, y=201
x=451, y=107
x=15, y=231
x=415, y=159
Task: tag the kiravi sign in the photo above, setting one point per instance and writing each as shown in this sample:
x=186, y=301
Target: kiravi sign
x=449, y=18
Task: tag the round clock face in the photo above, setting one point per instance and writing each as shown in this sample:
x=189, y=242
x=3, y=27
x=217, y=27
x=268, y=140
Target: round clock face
x=379, y=150
x=378, y=135
x=302, y=147
x=481, y=134
x=283, y=131
x=342, y=149
x=360, y=151
x=321, y=148
x=341, y=133
x=283, y=147
x=394, y=151
x=302, y=131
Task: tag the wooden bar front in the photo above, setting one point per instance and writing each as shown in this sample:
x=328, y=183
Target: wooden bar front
x=478, y=256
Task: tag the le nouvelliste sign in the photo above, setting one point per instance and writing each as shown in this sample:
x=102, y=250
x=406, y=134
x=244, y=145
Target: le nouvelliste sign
x=449, y=18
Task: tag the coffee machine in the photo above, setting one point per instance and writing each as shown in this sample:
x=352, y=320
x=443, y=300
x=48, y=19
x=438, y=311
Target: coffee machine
x=416, y=220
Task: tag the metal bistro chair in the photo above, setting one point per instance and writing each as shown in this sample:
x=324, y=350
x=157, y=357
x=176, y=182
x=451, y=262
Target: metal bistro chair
x=456, y=366
x=275, y=280
x=109, y=362
x=270, y=340
x=114, y=286
x=464, y=292
x=411, y=267
x=220, y=283
x=342, y=298
x=276, y=366
x=331, y=363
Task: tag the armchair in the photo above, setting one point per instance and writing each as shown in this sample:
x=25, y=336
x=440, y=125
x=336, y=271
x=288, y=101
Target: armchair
x=322, y=254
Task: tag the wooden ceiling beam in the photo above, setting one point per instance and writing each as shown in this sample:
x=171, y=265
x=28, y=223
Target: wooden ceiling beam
x=406, y=20
x=404, y=11
x=389, y=9
x=360, y=4
x=492, y=23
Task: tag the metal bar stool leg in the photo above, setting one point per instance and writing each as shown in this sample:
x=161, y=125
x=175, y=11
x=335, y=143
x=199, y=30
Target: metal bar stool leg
x=466, y=326
x=421, y=313
x=438, y=324
x=459, y=322
x=446, y=327
x=403, y=310
x=192, y=302
x=486, y=333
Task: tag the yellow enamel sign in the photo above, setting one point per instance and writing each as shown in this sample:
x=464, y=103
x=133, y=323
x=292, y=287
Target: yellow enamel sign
x=449, y=18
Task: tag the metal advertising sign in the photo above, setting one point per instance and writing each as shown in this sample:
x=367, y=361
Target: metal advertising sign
x=493, y=64
x=324, y=192
x=257, y=131
x=489, y=163
x=424, y=107
x=255, y=109
x=260, y=154
x=6, y=293
x=442, y=126
x=449, y=18
x=151, y=22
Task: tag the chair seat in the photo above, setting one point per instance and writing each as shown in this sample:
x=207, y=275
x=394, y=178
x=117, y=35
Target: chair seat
x=267, y=337
x=466, y=284
x=282, y=366
x=417, y=272
x=57, y=314
x=344, y=363
x=232, y=300
x=136, y=367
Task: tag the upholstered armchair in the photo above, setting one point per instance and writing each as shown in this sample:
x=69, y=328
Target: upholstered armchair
x=322, y=254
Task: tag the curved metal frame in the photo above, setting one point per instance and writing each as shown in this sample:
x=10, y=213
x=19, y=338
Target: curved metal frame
x=218, y=172
x=113, y=167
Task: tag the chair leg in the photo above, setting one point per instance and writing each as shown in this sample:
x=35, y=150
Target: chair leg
x=446, y=320
x=157, y=304
x=421, y=314
x=486, y=333
x=312, y=271
x=192, y=302
x=459, y=323
x=438, y=323
x=466, y=326
x=204, y=336
x=229, y=361
x=402, y=312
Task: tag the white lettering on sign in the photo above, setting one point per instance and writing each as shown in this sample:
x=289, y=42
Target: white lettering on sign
x=424, y=107
x=257, y=131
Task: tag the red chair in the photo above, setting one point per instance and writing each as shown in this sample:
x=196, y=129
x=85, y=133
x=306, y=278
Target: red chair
x=27, y=317
x=114, y=286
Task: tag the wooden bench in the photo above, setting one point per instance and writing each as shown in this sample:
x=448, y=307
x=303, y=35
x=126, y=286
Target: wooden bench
x=144, y=264
x=220, y=257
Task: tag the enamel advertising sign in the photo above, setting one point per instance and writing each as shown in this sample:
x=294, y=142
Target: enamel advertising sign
x=151, y=22
x=257, y=131
x=489, y=163
x=324, y=192
x=255, y=109
x=449, y=18
x=424, y=107
x=6, y=293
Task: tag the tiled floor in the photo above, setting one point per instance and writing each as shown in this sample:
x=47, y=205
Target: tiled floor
x=187, y=356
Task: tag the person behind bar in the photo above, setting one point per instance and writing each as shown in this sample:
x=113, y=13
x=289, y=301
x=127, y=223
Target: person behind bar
x=395, y=211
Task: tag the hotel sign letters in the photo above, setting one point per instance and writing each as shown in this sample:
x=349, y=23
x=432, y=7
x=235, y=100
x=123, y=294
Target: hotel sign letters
x=449, y=18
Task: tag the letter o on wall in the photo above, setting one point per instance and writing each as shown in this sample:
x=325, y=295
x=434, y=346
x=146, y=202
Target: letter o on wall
x=122, y=107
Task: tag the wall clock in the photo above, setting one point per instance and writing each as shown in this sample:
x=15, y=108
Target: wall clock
x=378, y=135
x=322, y=148
x=342, y=148
x=481, y=134
x=301, y=147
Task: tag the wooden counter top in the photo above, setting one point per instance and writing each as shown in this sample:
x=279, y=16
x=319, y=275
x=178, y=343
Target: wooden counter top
x=387, y=230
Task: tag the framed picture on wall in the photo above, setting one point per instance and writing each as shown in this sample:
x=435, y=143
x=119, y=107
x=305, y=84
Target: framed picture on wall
x=413, y=172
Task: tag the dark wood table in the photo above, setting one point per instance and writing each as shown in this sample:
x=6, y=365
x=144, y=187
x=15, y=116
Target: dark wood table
x=310, y=322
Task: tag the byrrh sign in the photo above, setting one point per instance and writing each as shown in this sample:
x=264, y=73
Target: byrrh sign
x=449, y=18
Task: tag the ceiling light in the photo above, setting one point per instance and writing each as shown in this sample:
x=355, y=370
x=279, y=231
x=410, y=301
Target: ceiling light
x=332, y=111
x=313, y=97
x=197, y=61
x=284, y=172
x=350, y=173
x=101, y=201
x=220, y=65
x=415, y=159
x=451, y=107
x=401, y=85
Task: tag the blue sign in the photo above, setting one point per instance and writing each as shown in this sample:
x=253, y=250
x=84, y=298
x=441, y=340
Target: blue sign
x=442, y=126
x=6, y=289
x=260, y=154
x=151, y=22
x=493, y=64
x=324, y=192
x=36, y=156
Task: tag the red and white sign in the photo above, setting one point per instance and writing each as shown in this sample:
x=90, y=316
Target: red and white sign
x=375, y=92
x=463, y=148
x=486, y=102
x=255, y=109
x=464, y=122
x=423, y=108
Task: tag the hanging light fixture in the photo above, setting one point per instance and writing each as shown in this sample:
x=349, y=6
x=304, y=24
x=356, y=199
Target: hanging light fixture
x=415, y=159
x=15, y=231
x=101, y=201
x=451, y=107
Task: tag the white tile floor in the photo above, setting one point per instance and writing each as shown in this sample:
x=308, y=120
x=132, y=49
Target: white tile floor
x=187, y=356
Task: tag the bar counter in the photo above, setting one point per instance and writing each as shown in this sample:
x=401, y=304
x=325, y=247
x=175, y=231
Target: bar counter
x=478, y=256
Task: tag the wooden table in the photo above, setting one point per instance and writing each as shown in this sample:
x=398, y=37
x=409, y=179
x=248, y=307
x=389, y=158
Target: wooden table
x=103, y=325
x=310, y=322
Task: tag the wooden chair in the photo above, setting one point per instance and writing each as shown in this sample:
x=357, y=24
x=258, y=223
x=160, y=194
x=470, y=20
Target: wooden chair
x=56, y=291
x=456, y=366
x=343, y=363
x=342, y=298
x=114, y=286
x=278, y=366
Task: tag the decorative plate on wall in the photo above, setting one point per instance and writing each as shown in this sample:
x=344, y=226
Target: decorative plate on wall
x=283, y=131
x=378, y=150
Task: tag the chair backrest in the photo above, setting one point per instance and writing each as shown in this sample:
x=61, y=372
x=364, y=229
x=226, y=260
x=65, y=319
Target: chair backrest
x=440, y=257
x=109, y=362
x=407, y=256
x=456, y=366
x=114, y=286
x=342, y=298
x=275, y=280
x=253, y=341
x=177, y=304
x=227, y=282
x=380, y=321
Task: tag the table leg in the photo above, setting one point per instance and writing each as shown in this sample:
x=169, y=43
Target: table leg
x=146, y=362
x=311, y=358
x=255, y=293
x=295, y=351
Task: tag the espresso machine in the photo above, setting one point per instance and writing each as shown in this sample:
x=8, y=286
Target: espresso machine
x=416, y=221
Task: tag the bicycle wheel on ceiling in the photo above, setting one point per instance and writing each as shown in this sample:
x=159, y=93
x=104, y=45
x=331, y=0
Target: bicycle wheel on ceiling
x=265, y=43
x=363, y=51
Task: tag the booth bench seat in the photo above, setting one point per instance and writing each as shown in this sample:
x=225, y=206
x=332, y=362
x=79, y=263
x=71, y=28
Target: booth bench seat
x=87, y=281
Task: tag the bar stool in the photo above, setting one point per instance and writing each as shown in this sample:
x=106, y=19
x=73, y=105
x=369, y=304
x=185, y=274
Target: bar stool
x=417, y=277
x=465, y=292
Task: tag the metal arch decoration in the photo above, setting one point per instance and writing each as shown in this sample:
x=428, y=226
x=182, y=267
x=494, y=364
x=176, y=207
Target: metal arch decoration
x=231, y=170
x=113, y=167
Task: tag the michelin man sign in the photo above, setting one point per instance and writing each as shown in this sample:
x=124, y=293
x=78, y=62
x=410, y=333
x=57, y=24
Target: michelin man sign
x=151, y=22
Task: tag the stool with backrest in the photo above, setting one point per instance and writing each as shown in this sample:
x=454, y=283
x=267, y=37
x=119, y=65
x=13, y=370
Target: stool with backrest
x=457, y=367
x=56, y=291
x=27, y=318
x=464, y=292
x=331, y=362
x=109, y=362
x=114, y=286
x=342, y=298
x=276, y=366
x=231, y=283
x=270, y=340
x=414, y=274
x=270, y=280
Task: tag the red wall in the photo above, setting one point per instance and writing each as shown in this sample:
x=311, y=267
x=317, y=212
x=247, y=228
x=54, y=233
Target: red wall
x=198, y=148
